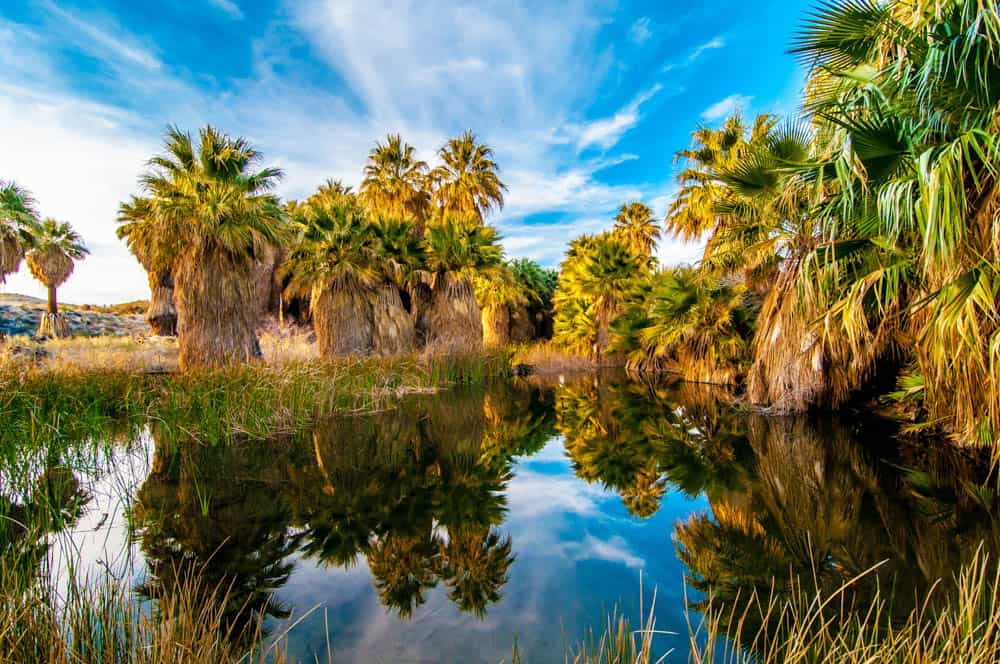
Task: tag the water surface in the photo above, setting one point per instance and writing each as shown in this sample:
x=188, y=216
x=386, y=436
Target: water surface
x=461, y=522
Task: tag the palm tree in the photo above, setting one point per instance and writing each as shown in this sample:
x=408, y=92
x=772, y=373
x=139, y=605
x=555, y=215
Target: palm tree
x=634, y=223
x=458, y=249
x=395, y=183
x=688, y=324
x=335, y=262
x=599, y=276
x=467, y=182
x=694, y=213
x=18, y=226
x=51, y=259
x=212, y=218
x=907, y=97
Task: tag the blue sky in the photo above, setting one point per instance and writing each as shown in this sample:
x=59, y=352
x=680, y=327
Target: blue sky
x=585, y=103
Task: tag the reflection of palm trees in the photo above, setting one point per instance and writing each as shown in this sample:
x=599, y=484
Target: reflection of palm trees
x=389, y=486
x=403, y=568
x=638, y=439
x=212, y=511
x=817, y=507
x=475, y=564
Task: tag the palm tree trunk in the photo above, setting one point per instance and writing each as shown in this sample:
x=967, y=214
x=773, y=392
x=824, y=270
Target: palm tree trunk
x=53, y=301
x=218, y=308
x=343, y=320
x=454, y=321
x=162, y=314
x=394, y=330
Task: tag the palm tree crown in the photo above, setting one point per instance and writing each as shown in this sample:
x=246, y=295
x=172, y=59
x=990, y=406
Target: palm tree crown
x=467, y=181
x=208, y=194
x=18, y=226
x=634, y=223
x=55, y=248
x=395, y=181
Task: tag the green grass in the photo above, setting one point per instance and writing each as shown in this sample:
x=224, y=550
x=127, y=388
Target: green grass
x=251, y=401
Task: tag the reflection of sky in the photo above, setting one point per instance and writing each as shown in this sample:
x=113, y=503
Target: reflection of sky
x=579, y=554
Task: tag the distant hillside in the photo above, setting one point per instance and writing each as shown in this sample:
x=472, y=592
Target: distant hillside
x=19, y=315
x=17, y=298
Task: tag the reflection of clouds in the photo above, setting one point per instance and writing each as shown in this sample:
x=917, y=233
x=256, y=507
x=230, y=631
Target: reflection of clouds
x=101, y=539
x=612, y=550
x=533, y=495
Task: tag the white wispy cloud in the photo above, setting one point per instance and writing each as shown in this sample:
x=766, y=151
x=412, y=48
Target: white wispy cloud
x=103, y=38
x=516, y=74
x=606, y=132
x=717, y=42
x=229, y=7
x=640, y=32
x=725, y=107
x=697, y=52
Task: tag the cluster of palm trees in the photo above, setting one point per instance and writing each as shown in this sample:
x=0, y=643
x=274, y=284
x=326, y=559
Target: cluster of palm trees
x=856, y=245
x=598, y=278
x=50, y=248
x=386, y=270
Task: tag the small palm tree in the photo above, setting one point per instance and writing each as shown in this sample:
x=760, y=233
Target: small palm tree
x=395, y=183
x=458, y=249
x=599, y=276
x=467, y=182
x=213, y=219
x=18, y=226
x=335, y=263
x=51, y=260
x=634, y=223
x=689, y=324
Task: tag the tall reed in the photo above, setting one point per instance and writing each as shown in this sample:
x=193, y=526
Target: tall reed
x=959, y=621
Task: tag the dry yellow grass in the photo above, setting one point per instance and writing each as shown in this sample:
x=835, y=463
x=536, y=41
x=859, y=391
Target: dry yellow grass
x=548, y=358
x=138, y=354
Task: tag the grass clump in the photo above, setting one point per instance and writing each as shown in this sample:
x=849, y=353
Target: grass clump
x=102, y=622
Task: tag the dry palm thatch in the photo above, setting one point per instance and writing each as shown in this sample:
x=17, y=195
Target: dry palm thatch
x=343, y=319
x=11, y=255
x=797, y=364
x=217, y=316
x=394, y=331
x=162, y=313
x=790, y=367
x=454, y=321
x=496, y=326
